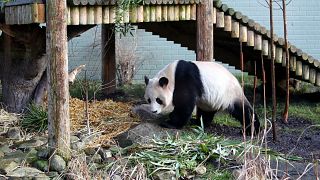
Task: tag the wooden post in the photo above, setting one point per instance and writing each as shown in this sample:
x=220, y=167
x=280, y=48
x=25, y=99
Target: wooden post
x=205, y=31
x=108, y=59
x=58, y=91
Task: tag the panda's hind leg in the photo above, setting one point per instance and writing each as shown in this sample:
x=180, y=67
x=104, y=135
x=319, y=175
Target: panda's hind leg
x=207, y=117
x=237, y=112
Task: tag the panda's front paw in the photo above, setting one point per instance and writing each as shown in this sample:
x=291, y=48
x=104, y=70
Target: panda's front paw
x=169, y=125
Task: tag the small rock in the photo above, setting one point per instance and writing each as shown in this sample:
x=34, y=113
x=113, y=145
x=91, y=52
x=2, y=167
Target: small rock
x=25, y=145
x=17, y=156
x=96, y=158
x=165, y=175
x=43, y=153
x=90, y=151
x=5, y=149
x=7, y=166
x=1, y=154
x=41, y=165
x=52, y=174
x=57, y=163
x=105, y=154
x=74, y=139
x=77, y=146
x=88, y=138
x=144, y=113
x=116, y=177
x=27, y=173
x=201, y=170
x=14, y=133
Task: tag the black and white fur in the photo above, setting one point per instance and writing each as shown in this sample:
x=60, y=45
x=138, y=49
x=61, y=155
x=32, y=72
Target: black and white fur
x=182, y=85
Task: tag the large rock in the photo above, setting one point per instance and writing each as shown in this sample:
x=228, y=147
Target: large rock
x=144, y=133
x=144, y=113
x=7, y=166
x=27, y=173
x=19, y=156
x=165, y=175
x=33, y=143
x=57, y=163
x=14, y=133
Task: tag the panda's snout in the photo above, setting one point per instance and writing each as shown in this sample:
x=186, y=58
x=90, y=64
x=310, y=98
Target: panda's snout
x=154, y=111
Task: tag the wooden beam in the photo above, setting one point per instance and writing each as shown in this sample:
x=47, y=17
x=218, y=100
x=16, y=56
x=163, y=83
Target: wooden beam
x=58, y=91
x=108, y=59
x=205, y=31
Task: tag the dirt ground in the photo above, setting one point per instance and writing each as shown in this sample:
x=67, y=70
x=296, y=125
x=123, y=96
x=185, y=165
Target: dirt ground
x=299, y=137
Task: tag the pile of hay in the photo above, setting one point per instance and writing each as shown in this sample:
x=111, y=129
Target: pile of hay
x=108, y=117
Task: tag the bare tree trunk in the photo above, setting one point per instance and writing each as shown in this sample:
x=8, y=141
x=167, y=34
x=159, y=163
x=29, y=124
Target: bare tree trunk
x=286, y=108
x=273, y=78
x=25, y=63
x=205, y=31
x=58, y=92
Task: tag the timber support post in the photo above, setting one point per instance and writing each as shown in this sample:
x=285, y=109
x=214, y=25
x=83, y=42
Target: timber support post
x=108, y=58
x=58, y=91
x=205, y=31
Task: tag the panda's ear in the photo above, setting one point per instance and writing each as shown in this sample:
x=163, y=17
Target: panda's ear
x=146, y=80
x=163, y=81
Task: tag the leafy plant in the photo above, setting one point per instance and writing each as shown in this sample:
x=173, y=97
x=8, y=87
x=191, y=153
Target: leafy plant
x=78, y=89
x=35, y=118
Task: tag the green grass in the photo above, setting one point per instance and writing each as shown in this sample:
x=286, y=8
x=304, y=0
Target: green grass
x=134, y=90
x=78, y=89
x=35, y=119
x=226, y=119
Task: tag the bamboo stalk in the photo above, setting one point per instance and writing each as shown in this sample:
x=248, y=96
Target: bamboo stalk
x=243, y=33
x=90, y=15
x=250, y=38
x=98, y=15
x=182, y=12
x=214, y=15
x=299, y=68
x=265, y=47
x=158, y=13
x=313, y=73
x=140, y=14
x=171, y=13
x=146, y=13
x=293, y=63
x=133, y=17
x=257, y=42
x=305, y=72
x=220, y=20
x=176, y=12
x=193, y=15
x=318, y=79
x=188, y=12
x=112, y=14
x=164, y=13
x=75, y=15
x=152, y=13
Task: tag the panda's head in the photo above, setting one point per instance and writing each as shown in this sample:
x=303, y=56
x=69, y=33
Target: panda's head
x=159, y=95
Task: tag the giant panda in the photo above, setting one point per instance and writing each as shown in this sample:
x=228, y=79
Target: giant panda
x=182, y=85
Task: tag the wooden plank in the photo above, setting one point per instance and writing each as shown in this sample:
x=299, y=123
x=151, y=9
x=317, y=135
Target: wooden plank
x=90, y=15
x=227, y=23
x=83, y=15
x=140, y=14
x=7, y=15
x=188, y=12
x=171, y=13
x=176, y=12
x=182, y=12
x=265, y=47
x=193, y=15
x=20, y=13
x=283, y=62
x=42, y=13
x=257, y=42
x=313, y=74
x=299, y=68
x=69, y=15
x=235, y=32
x=318, y=79
x=152, y=13
x=293, y=63
x=250, y=38
x=279, y=53
x=164, y=13
x=158, y=13
x=112, y=14
x=74, y=15
x=274, y=51
x=243, y=33
x=214, y=15
x=133, y=15
x=105, y=15
x=146, y=13
x=98, y=15
x=220, y=20
x=305, y=71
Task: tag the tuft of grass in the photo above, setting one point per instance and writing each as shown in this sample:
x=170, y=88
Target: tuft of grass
x=78, y=89
x=35, y=119
x=226, y=119
x=133, y=90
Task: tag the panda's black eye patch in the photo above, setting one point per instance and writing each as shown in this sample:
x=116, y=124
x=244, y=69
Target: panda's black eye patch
x=149, y=100
x=159, y=101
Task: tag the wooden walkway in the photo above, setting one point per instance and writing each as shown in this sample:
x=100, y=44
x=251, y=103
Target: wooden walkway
x=175, y=20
